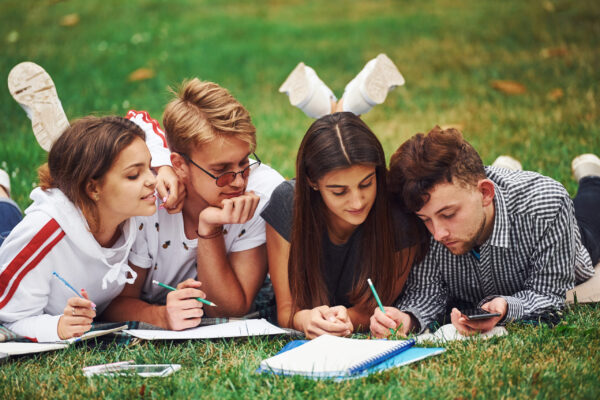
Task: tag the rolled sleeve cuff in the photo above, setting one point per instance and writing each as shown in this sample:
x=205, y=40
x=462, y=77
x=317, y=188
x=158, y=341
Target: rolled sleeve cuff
x=515, y=309
x=415, y=313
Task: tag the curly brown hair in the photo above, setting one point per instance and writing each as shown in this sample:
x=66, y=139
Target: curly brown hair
x=423, y=161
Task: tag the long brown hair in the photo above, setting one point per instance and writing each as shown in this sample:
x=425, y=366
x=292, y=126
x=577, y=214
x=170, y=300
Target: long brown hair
x=337, y=141
x=86, y=150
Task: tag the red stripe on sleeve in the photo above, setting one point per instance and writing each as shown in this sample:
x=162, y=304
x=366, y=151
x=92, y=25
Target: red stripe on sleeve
x=15, y=265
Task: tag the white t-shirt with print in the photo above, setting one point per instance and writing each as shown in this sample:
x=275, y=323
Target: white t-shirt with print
x=162, y=248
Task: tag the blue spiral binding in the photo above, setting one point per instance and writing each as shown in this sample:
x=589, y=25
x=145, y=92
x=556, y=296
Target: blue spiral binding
x=357, y=369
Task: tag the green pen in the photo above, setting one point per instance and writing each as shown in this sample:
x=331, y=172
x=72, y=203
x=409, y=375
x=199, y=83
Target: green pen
x=201, y=300
x=378, y=300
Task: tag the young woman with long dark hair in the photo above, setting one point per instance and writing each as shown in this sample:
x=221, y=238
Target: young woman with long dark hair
x=333, y=228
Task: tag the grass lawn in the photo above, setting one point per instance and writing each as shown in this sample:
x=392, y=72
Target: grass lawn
x=451, y=52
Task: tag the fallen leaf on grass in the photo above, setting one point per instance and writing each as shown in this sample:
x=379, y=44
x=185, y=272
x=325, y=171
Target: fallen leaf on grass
x=548, y=6
x=554, y=52
x=509, y=87
x=556, y=94
x=12, y=37
x=69, y=20
x=141, y=74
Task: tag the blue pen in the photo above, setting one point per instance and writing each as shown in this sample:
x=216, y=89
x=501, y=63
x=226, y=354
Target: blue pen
x=67, y=284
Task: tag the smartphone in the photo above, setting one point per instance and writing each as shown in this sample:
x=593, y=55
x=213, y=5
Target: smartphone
x=153, y=370
x=128, y=368
x=474, y=314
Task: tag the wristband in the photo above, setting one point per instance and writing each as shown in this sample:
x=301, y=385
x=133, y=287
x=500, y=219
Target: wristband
x=217, y=232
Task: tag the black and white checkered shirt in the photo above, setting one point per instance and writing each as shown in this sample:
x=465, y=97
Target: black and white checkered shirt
x=533, y=256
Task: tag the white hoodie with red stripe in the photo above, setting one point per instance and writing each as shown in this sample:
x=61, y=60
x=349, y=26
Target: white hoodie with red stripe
x=54, y=236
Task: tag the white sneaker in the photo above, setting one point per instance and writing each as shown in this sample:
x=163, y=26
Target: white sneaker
x=585, y=165
x=5, y=181
x=371, y=86
x=31, y=86
x=508, y=162
x=308, y=92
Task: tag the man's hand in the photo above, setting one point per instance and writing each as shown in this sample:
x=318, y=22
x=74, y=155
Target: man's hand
x=236, y=210
x=324, y=320
x=466, y=327
x=183, y=311
x=170, y=191
x=382, y=323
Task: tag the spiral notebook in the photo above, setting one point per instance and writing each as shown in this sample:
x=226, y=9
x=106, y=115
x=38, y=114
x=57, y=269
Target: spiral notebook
x=334, y=357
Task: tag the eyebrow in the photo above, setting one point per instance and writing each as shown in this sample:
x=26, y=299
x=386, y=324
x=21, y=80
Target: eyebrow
x=343, y=186
x=136, y=165
x=438, y=211
x=226, y=164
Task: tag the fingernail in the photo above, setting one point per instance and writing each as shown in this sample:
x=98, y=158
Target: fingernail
x=161, y=206
x=94, y=305
x=164, y=199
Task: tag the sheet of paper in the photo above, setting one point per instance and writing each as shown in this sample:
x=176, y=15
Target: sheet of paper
x=16, y=348
x=448, y=333
x=241, y=328
x=93, y=334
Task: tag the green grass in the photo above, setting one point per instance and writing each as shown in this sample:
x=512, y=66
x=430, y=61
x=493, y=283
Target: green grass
x=448, y=50
x=531, y=362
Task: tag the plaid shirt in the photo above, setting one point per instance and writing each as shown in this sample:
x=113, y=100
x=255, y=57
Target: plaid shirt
x=533, y=256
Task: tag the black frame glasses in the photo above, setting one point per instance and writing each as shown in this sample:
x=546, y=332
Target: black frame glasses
x=227, y=177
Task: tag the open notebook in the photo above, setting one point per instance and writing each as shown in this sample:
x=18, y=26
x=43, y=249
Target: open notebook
x=334, y=357
x=18, y=348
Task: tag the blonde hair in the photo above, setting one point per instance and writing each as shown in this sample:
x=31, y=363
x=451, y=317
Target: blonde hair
x=201, y=112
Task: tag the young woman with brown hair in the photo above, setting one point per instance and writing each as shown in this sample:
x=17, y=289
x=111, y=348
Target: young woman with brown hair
x=333, y=228
x=79, y=225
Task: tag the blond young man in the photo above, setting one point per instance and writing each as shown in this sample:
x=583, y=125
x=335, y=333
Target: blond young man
x=217, y=242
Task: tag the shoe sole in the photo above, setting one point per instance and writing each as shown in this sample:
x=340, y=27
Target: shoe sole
x=5, y=181
x=381, y=79
x=296, y=85
x=31, y=86
x=585, y=165
x=507, y=162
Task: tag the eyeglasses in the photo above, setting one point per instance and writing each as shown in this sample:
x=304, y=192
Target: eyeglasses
x=228, y=177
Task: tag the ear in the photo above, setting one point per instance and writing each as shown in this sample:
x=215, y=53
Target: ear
x=487, y=190
x=92, y=189
x=180, y=166
x=312, y=184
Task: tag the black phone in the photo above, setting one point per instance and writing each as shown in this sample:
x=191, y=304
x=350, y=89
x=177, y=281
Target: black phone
x=474, y=314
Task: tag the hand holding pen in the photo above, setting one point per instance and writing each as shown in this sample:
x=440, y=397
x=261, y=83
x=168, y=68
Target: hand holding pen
x=184, y=305
x=78, y=314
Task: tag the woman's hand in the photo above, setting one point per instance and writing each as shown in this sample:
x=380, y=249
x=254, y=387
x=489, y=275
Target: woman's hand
x=324, y=320
x=183, y=311
x=77, y=317
x=170, y=190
